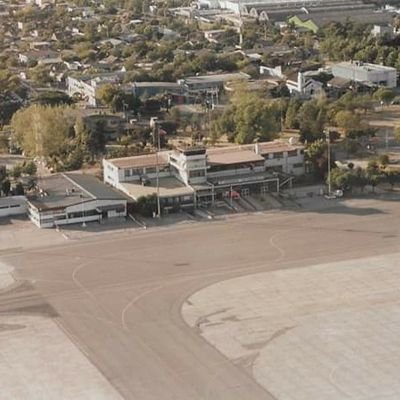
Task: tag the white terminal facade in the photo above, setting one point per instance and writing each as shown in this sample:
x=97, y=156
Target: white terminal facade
x=192, y=176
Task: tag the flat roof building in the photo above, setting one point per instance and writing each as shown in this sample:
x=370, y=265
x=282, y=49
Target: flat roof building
x=70, y=198
x=189, y=176
x=366, y=73
x=211, y=82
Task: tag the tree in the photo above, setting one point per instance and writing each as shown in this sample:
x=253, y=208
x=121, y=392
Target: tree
x=96, y=141
x=373, y=174
x=384, y=95
x=397, y=133
x=16, y=172
x=29, y=168
x=291, y=114
x=6, y=186
x=19, y=189
x=3, y=173
x=41, y=130
x=75, y=159
x=317, y=155
x=359, y=178
x=40, y=75
x=340, y=179
x=7, y=110
x=348, y=121
x=52, y=99
x=106, y=93
x=383, y=160
x=392, y=177
x=311, y=118
x=146, y=205
x=248, y=118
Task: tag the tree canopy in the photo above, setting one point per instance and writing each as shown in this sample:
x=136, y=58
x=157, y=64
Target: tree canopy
x=41, y=130
x=248, y=118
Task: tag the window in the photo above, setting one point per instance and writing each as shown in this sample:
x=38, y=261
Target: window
x=278, y=155
x=197, y=173
x=151, y=170
x=164, y=169
x=292, y=153
x=298, y=165
x=127, y=172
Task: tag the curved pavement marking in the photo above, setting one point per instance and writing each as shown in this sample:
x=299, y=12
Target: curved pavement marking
x=160, y=287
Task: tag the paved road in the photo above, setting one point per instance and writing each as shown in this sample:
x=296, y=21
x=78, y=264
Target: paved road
x=119, y=297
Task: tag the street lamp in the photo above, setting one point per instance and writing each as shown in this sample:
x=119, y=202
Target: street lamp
x=156, y=136
x=83, y=211
x=328, y=140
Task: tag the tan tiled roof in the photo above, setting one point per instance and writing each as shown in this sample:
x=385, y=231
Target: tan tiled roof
x=216, y=155
x=232, y=155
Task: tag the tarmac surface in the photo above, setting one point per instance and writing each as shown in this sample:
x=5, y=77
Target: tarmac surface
x=119, y=296
x=328, y=331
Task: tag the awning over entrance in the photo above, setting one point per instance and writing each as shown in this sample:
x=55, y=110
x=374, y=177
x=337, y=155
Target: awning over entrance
x=240, y=180
x=111, y=207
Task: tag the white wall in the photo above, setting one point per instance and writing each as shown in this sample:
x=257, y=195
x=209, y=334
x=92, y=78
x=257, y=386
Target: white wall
x=111, y=174
x=287, y=163
x=49, y=219
x=14, y=205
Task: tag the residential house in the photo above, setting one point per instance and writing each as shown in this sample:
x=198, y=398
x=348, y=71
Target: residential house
x=303, y=86
x=42, y=57
x=86, y=87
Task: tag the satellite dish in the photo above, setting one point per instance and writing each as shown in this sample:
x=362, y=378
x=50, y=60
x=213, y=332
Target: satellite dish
x=292, y=140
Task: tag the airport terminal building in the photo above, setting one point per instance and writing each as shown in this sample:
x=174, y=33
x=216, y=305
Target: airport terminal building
x=193, y=176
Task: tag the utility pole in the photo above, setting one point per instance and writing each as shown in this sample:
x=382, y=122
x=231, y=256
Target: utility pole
x=83, y=210
x=156, y=133
x=328, y=139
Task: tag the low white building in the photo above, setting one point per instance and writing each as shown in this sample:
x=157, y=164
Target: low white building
x=12, y=205
x=383, y=30
x=304, y=86
x=366, y=73
x=74, y=198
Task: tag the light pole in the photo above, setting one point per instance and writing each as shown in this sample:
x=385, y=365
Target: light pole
x=125, y=108
x=83, y=213
x=157, y=132
x=328, y=140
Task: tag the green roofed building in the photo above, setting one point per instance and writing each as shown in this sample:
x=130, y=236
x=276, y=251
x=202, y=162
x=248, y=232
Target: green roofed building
x=305, y=23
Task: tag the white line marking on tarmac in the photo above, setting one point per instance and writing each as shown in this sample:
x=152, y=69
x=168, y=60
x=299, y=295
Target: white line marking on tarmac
x=76, y=281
